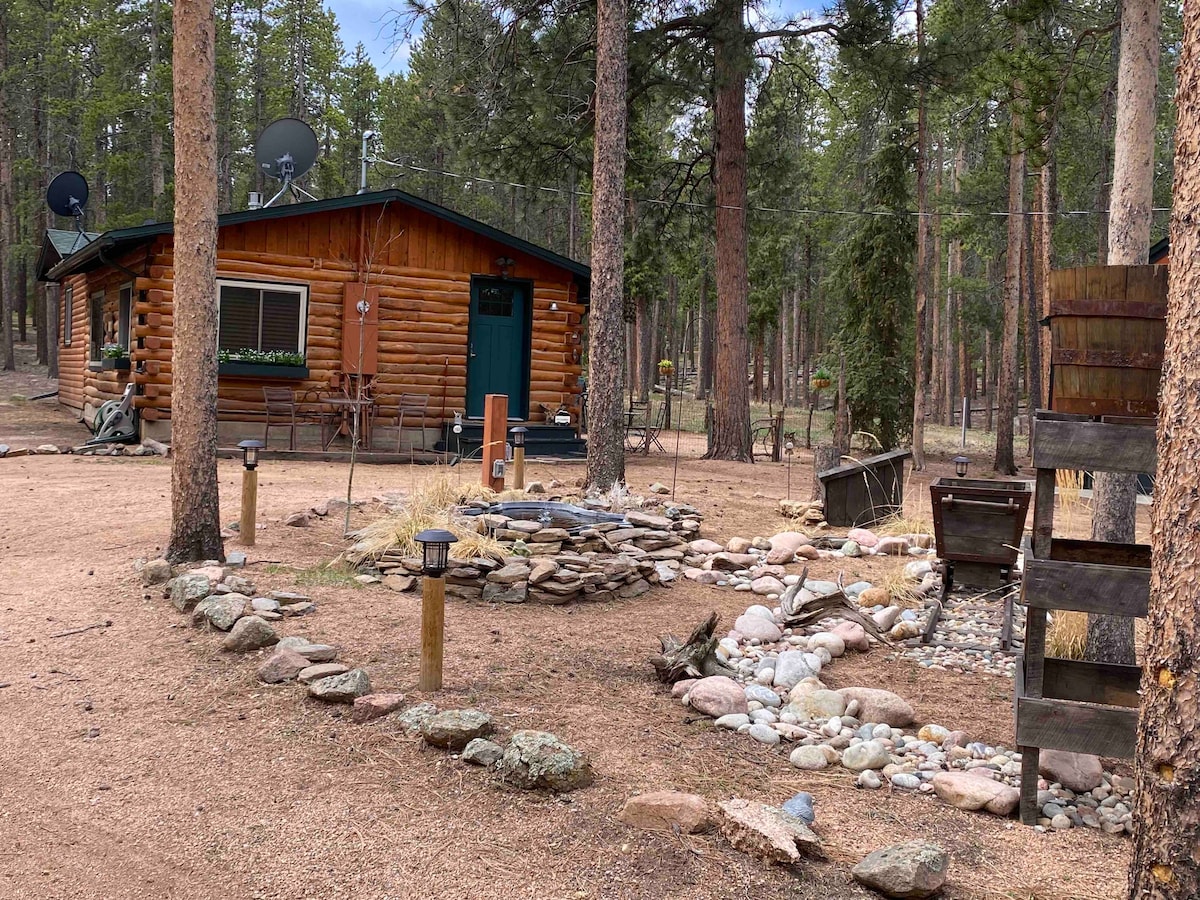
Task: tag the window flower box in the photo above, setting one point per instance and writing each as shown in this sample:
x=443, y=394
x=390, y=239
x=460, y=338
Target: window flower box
x=238, y=369
x=110, y=363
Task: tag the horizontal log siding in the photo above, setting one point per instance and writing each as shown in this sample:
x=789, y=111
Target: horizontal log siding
x=423, y=269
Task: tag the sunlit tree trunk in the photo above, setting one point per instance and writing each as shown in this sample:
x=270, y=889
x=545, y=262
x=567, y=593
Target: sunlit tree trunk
x=920, y=325
x=606, y=455
x=1114, y=498
x=195, y=513
x=1005, y=463
x=731, y=409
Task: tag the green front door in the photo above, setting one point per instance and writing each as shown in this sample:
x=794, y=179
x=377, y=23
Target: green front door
x=498, y=345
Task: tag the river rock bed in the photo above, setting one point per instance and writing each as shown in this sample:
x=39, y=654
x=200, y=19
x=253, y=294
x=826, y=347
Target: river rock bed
x=776, y=698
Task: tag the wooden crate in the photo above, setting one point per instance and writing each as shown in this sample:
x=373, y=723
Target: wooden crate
x=977, y=526
x=862, y=494
x=1065, y=704
x=1107, y=329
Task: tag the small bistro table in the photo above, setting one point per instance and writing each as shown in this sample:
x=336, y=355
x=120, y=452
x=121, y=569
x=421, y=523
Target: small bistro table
x=348, y=411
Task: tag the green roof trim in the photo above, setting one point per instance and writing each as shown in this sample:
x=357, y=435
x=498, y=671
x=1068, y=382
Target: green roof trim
x=121, y=239
x=57, y=245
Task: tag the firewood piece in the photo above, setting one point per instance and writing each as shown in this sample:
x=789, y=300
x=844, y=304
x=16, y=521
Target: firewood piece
x=799, y=614
x=694, y=658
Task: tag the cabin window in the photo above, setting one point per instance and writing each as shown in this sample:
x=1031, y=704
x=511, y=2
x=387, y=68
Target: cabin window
x=125, y=318
x=96, y=327
x=496, y=300
x=262, y=317
x=68, y=314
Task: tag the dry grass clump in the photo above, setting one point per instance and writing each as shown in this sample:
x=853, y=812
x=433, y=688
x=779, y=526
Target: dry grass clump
x=902, y=588
x=430, y=506
x=1066, y=637
x=905, y=523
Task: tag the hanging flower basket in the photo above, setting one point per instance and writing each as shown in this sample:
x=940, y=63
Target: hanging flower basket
x=666, y=367
x=820, y=380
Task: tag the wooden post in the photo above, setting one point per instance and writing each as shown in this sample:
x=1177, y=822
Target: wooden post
x=519, y=468
x=495, y=430
x=825, y=457
x=433, y=623
x=249, y=504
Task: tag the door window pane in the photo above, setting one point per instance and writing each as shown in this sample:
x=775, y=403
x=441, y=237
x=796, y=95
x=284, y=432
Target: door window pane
x=496, y=300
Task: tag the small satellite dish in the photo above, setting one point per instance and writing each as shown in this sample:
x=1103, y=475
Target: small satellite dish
x=286, y=149
x=67, y=194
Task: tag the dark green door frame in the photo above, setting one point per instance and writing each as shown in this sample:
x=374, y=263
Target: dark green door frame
x=499, y=340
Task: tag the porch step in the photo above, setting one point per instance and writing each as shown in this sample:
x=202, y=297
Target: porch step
x=547, y=441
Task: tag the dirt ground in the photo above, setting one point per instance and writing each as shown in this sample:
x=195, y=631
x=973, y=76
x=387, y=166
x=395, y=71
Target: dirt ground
x=198, y=782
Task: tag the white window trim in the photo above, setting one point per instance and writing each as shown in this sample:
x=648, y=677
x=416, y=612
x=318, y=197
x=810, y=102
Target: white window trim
x=128, y=336
x=301, y=289
x=68, y=306
x=92, y=342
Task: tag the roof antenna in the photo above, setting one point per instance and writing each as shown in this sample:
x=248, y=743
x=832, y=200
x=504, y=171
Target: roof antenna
x=286, y=150
x=362, y=181
x=67, y=195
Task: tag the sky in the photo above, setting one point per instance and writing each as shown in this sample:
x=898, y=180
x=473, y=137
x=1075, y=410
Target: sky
x=374, y=23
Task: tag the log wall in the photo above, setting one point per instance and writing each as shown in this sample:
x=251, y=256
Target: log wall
x=422, y=267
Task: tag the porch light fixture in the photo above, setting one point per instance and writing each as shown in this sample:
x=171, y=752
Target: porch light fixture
x=435, y=548
x=789, y=448
x=554, y=306
x=960, y=466
x=518, y=442
x=505, y=263
x=518, y=436
x=250, y=453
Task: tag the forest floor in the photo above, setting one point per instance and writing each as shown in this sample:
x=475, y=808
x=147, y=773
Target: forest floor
x=142, y=762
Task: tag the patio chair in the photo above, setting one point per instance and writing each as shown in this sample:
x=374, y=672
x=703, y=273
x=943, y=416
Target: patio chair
x=281, y=406
x=637, y=425
x=656, y=426
x=411, y=405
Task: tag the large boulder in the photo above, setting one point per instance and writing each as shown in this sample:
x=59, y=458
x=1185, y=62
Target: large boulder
x=766, y=831
x=250, y=633
x=867, y=755
x=906, y=871
x=789, y=540
x=284, y=665
x=453, y=729
x=1079, y=772
x=756, y=627
x=816, y=704
x=877, y=705
x=538, y=760
x=716, y=696
x=344, y=688
x=666, y=811
x=767, y=584
x=220, y=611
x=188, y=590
x=963, y=790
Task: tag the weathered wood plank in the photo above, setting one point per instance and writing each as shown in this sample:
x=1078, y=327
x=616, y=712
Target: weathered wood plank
x=1086, y=587
x=1091, y=682
x=1043, y=512
x=1079, y=727
x=1094, y=446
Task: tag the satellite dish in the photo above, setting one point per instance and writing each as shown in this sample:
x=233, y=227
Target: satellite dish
x=286, y=149
x=67, y=194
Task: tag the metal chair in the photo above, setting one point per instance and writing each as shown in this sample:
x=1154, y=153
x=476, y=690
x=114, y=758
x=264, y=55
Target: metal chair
x=411, y=405
x=281, y=404
x=637, y=425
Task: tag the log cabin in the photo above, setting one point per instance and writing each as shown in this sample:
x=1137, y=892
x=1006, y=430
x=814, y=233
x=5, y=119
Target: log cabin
x=455, y=310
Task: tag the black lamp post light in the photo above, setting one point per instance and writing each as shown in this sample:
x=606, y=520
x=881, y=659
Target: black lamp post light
x=435, y=559
x=246, y=527
x=518, y=441
x=250, y=453
x=960, y=466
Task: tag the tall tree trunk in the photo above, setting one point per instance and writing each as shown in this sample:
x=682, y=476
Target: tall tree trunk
x=158, y=175
x=1033, y=346
x=195, y=512
x=606, y=453
x=1005, y=463
x=704, y=356
x=987, y=378
x=938, y=346
x=956, y=362
x=1107, y=102
x=1166, y=815
x=787, y=346
x=758, y=367
x=1049, y=190
x=841, y=421
x=731, y=410
x=920, y=324
x=1114, y=497
x=6, y=195
x=645, y=348
x=21, y=293
x=52, y=329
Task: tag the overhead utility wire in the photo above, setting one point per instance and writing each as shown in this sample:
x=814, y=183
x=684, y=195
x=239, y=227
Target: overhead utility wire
x=806, y=211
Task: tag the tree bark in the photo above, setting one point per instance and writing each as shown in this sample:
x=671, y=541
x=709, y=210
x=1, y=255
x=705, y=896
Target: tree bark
x=1005, y=464
x=1166, y=815
x=195, y=512
x=1114, y=497
x=606, y=452
x=1033, y=347
x=6, y=196
x=154, y=125
x=52, y=329
x=1049, y=190
x=938, y=346
x=731, y=410
x=841, y=422
x=955, y=352
x=704, y=329
x=645, y=348
x=921, y=382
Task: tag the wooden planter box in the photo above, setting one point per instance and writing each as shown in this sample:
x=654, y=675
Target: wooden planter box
x=977, y=526
x=861, y=494
x=1107, y=329
x=261, y=370
x=110, y=364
